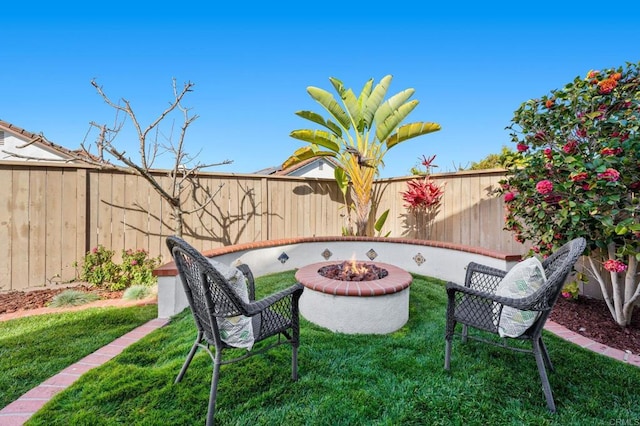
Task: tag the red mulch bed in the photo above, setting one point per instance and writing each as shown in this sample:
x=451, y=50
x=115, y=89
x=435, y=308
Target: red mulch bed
x=586, y=316
x=591, y=318
x=14, y=301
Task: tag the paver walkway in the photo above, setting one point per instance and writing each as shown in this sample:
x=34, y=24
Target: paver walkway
x=19, y=411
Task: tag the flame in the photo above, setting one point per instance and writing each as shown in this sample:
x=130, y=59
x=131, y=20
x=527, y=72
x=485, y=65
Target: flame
x=353, y=267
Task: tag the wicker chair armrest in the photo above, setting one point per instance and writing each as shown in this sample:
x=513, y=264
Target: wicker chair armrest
x=534, y=302
x=254, y=308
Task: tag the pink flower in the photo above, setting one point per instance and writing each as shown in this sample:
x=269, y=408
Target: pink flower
x=570, y=147
x=566, y=295
x=94, y=250
x=581, y=133
x=522, y=147
x=611, y=175
x=578, y=177
x=509, y=196
x=611, y=151
x=540, y=135
x=548, y=153
x=614, y=266
x=544, y=186
x=134, y=262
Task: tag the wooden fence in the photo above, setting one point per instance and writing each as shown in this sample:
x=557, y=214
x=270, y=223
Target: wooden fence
x=53, y=214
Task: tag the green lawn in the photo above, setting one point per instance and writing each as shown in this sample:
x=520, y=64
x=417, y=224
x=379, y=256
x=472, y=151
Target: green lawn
x=394, y=379
x=32, y=349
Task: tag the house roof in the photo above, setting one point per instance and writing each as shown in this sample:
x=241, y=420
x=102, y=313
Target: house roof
x=42, y=141
x=284, y=172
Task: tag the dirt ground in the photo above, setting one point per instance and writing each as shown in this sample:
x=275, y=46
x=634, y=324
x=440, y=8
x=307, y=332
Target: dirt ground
x=16, y=304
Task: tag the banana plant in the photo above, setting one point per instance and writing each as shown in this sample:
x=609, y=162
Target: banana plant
x=357, y=134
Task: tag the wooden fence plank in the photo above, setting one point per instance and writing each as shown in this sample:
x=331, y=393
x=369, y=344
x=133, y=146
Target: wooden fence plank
x=53, y=228
x=72, y=201
x=37, y=228
x=7, y=212
x=20, y=231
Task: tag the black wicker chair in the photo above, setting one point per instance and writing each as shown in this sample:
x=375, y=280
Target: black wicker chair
x=475, y=305
x=211, y=296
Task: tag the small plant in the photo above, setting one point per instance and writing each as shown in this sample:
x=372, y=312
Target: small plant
x=136, y=268
x=98, y=267
x=72, y=298
x=138, y=292
x=423, y=197
x=100, y=270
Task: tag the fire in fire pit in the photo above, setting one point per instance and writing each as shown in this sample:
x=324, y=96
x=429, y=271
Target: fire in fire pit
x=353, y=271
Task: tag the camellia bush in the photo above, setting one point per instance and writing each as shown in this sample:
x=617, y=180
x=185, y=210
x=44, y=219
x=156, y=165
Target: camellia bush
x=576, y=173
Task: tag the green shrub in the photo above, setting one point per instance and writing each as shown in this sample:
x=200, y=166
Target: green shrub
x=99, y=269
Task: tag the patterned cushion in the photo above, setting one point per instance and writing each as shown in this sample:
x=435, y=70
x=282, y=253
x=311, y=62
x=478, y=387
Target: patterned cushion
x=522, y=280
x=235, y=331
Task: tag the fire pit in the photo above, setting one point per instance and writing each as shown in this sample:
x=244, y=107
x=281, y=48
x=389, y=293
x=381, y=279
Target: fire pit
x=355, y=297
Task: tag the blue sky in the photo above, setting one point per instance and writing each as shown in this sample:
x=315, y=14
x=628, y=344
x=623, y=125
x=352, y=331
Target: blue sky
x=471, y=66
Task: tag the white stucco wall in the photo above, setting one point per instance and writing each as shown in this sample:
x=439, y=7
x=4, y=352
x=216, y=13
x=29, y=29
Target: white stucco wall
x=316, y=169
x=12, y=144
x=445, y=264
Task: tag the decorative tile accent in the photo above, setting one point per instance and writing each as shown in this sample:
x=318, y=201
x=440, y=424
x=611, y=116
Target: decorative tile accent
x=371, y=254
x=326, y=254
x=283, y=257
x=419, y=259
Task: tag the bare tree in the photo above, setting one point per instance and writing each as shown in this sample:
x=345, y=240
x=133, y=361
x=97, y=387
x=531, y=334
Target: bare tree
x=185, y=168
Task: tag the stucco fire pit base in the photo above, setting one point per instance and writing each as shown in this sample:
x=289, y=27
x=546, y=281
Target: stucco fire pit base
x=368, y=307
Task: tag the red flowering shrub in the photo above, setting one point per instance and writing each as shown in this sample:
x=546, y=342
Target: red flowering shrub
x=422, y=198
x=579, y=176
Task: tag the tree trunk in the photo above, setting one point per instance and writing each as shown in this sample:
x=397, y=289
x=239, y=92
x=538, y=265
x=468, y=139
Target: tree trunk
x=179, y=221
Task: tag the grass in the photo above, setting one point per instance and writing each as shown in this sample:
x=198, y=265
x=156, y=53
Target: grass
x=32, y=349
x=351, y=380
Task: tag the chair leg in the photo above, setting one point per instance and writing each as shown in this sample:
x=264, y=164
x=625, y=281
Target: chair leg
x=465, y=333
x=448, y=341
x=192, y=352
x=211, y=411
x=546, y=387
x=294, y=363
x=447, y=353
x=545, y=354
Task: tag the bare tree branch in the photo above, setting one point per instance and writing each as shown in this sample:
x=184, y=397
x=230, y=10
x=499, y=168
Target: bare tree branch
x=183, y=178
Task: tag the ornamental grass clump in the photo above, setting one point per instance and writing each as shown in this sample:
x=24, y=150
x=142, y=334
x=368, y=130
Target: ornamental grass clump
x=576, y=173
x=72, y=298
